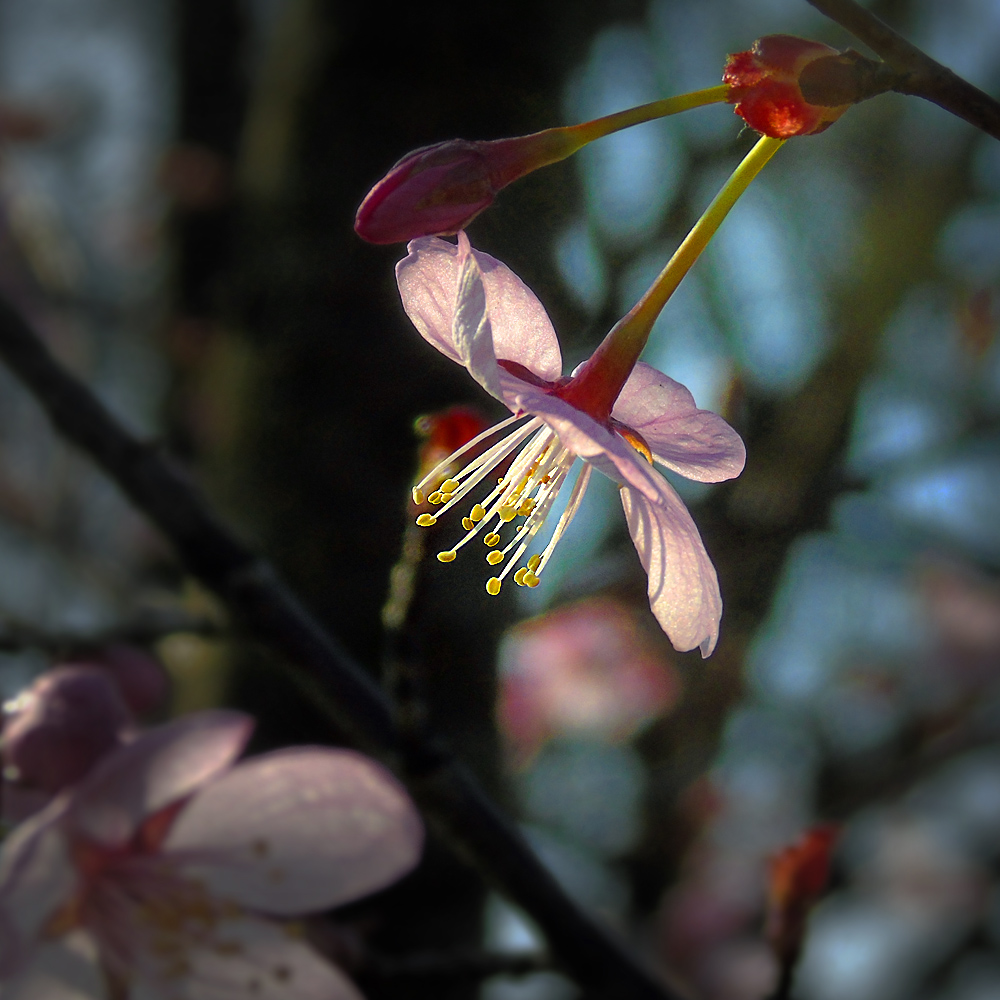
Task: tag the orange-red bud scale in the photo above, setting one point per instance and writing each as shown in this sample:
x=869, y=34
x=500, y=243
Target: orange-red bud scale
x=765, y=86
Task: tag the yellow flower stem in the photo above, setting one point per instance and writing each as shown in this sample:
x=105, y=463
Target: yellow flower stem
x=610, y=365
x=513, y=158
x=600, y=127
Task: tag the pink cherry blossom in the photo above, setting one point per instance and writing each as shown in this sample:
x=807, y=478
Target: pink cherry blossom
x=477, y=312
x=154, y=878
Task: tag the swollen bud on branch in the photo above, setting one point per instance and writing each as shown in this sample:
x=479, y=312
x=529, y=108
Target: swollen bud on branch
x=799, y=876
x=787, y=86
x=440, y=189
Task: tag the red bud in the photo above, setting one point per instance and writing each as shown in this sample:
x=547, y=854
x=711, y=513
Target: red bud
x=798, y=878
x=765, y=86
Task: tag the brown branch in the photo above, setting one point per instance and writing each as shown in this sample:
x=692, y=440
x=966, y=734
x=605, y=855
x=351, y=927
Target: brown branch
x=449, y=796
x=920, y=75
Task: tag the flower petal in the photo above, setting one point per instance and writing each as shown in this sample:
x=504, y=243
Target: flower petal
x=584, y=436
x=161, y=766
x=683, y=588
x=65, y=969
x=472, y=332
x=522, y=332
x=240, y=958
x=36, y=878
x=698, y=444
x=298, y=830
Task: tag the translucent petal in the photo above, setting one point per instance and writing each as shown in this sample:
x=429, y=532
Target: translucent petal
x=428, y=284
x=683, y=588
x=36, y=878
x=697, y=444
x=159, y=767
x=297, y=831
x=240, y=958
x=65, y=969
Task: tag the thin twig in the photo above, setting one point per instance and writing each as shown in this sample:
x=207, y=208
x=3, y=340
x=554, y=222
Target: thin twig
x=449, y=796
x=921, y=76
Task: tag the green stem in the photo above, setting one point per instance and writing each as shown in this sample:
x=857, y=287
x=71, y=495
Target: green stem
x=597, y=385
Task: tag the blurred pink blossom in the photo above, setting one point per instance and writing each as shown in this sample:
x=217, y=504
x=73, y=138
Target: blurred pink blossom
x=150, y=878
x=588, y=669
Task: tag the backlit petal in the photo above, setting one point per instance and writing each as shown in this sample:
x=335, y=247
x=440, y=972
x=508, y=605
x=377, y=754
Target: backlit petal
x=36, y=879
x=683, y=588
x=298, y=830
x=698, y=444
x=161, y=766
x=522, y=332
x=242, y=958
x=65, y=969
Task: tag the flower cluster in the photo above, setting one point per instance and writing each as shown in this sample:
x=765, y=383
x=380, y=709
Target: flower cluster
x=167, y=871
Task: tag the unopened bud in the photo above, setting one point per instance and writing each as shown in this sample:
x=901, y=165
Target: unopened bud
x=799, y=876
x=61, y=726
x=140, y=678
x=440, y=189
x=766, y=84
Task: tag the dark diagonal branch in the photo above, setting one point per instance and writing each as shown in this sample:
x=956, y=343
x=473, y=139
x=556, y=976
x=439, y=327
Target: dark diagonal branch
x=449, y=796
x=920, y=76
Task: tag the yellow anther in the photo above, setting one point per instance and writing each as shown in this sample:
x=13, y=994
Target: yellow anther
x=435, y=497
x=426, y=520
x=519, y=576
x=526, y=506
x=478, y=512
x=492, y=539
x=418, y=496
x=493, y=586
x=530, y=580
x=449, y=486
x=507, y=513
x=447, y=556
x=494, y=556
x=533, y=562
x=468, y=523
x=445, y=497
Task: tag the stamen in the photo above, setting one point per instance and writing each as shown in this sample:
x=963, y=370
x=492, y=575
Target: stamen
x=449, y=486
x=468, y=446
x=492, y=539
x=493, y=586
x=493, y=557
x=468, y=523
x=418, y=496
x=575, y=499
x=426, y=520
x=435, y=497
x=447, y=557
x=477, y=513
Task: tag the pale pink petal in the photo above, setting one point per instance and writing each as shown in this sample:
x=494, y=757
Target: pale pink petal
x=297, y=831
x=472, y=333
x=683, y=588
x=522, y=332
x=64, y=969
x=239, y=959
x=161, y=766
x=584, y=436
x=36, y=879
x=698, y=444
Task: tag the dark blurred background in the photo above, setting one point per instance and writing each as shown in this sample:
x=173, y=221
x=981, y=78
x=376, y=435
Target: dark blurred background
x=177, y=185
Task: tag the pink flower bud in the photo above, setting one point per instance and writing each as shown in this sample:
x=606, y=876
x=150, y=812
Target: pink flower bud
x=437, y=191
x=440, y=189
x=140, y=677
x=765, y=85
x=61, y=726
